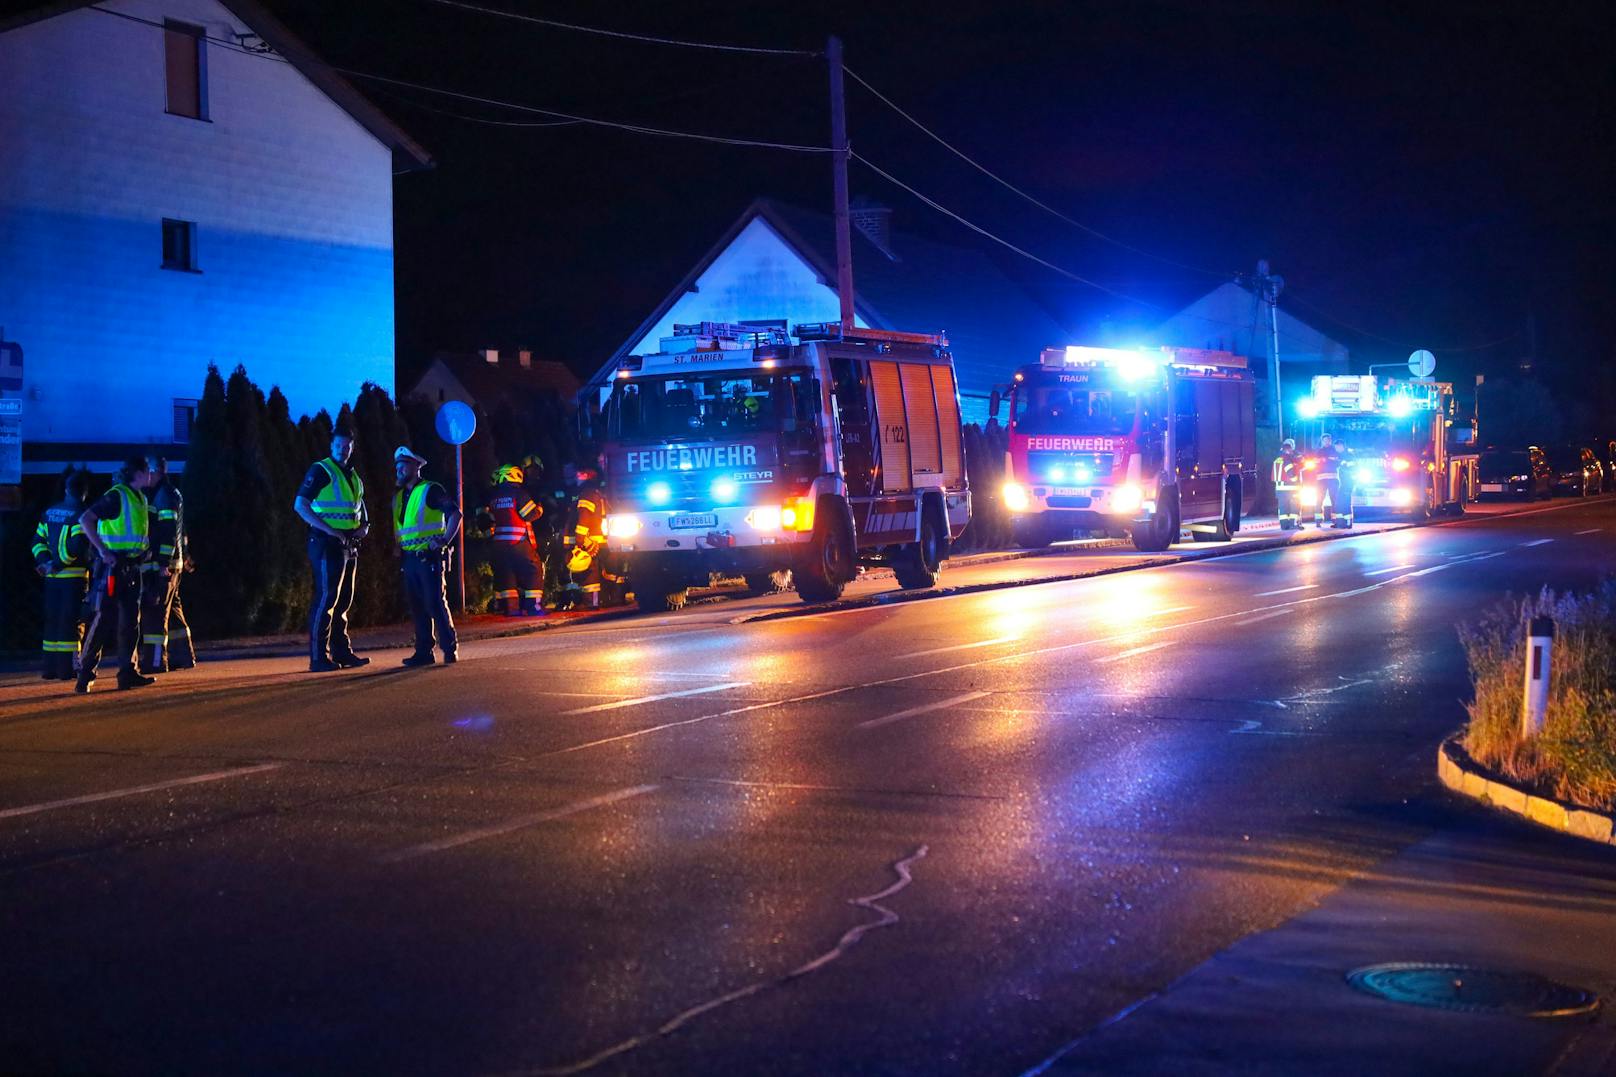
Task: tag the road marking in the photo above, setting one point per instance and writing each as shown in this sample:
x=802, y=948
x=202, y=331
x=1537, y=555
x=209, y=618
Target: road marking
x=92, y=798
x=1394, y=568
x=1590, y=531
x=1537, y=542
x=962, y=647
x=925, y=708
x=621, y=703
x=520, y=823
x=1270, y=615
x=1132, y=652
x=1285, y=590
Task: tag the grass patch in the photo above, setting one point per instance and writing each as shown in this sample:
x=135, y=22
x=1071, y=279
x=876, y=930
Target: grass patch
x=1575, y=756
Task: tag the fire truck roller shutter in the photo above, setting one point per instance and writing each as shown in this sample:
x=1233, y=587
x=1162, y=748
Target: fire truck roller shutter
x=948, y=420
x=889, y=414
x=920, y=405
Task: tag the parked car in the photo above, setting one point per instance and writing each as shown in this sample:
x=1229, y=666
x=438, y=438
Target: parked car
x=1575, y=471
x=1514, y=473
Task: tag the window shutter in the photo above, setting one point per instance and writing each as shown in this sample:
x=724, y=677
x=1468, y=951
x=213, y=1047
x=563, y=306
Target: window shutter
x=182, y=47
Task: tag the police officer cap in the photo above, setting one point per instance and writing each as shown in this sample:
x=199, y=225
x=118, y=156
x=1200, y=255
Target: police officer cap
x=403, y=453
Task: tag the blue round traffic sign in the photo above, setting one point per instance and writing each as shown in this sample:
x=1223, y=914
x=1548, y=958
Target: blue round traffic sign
x=456, y=422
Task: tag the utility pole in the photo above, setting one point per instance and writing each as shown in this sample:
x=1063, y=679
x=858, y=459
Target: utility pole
x=1269, y=285
x=838, y=158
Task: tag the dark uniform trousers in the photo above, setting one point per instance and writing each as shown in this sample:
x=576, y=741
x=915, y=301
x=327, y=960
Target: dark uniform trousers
x=165, y=635
x=114, y=617
x=64, y=625
x=336, y=568
x=518, y=576
x=429, y=606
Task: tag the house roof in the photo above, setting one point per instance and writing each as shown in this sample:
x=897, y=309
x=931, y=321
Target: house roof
x=408, y=154
x=993, y=324
x=487, y=382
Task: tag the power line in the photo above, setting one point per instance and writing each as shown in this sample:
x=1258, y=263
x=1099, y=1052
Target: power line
x=646, y=38
x=410, y=101
x=1451, y=350
x=995, y=177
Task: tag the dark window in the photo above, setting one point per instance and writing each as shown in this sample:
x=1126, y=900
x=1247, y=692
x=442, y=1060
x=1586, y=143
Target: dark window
x=187, y=68
x=179, y=245
x=184, y=419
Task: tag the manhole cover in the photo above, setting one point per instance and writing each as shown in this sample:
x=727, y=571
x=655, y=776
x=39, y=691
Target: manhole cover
x=1473, y=990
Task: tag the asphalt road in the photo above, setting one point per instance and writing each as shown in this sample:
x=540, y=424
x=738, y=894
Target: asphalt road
x=948, y=836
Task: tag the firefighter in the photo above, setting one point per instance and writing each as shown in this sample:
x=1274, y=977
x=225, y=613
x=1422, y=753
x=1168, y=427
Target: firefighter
x=61, y=556
x=1287, y=483
x=118, y=527
x=331, y=501
x=425, y=522
x=1329, y=457
x=590, y=559
x=518, y=574
x=165, y=636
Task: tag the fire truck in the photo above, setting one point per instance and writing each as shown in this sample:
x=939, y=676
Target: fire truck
x=1402, y=452
x=1146, y=441
x=737, y=450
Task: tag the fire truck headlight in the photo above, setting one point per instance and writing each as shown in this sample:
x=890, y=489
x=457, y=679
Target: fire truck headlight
x=724, y=490
x=1308, y=495
x=1127, y=498
x=1402, y=496
x=1401, y=463
x=659, y=493
x=1015, y=497
x=764, y=518
x=624, y=525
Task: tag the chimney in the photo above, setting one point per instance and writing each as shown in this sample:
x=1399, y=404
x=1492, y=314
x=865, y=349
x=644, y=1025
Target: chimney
x=491, y=355
x=525, y=358
x=875, y=221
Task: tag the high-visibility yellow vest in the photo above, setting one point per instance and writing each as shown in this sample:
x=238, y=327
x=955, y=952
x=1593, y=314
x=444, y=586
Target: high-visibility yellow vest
x=339, y=503
x=130, y=530
x=418, y=523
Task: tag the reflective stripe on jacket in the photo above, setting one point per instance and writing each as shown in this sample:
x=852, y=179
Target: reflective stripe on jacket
x=60, y=539
x=1287, y=472
x=513, y=512
x=339, y=503
x=417, y=522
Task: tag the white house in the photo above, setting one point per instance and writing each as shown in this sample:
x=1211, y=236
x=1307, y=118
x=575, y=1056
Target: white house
x=185, y=183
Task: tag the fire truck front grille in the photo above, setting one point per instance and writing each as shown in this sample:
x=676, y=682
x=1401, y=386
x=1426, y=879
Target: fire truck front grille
x=1063, y=502
x=1069, y=468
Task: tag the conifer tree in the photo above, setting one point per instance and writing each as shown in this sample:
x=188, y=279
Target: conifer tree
x=216, y=592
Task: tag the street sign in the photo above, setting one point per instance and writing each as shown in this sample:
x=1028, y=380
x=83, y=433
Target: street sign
x=10, y=442
x=456, y=422
x=1421, y=364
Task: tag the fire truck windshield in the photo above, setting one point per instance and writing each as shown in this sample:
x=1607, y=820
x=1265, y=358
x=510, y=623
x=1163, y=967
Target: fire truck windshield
x=1373, y=435
x=1073, y=409
x=687, y=406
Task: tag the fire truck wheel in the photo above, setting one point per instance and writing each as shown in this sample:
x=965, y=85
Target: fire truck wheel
x=1161, y=530
x=917, y=564
x=827, y=563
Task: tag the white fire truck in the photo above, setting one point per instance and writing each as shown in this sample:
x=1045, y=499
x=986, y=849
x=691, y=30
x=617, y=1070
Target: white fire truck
x=1149, y=441
x=1402, y=452
x=735, y=450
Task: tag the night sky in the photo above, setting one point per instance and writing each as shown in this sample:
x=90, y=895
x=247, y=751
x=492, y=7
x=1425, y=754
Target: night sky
x=1435, y=174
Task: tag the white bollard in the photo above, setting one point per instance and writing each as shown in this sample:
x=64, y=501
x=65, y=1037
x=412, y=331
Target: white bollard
x=1539, y=642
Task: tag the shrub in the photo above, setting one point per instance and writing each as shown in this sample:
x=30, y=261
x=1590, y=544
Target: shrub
x=1575, y=756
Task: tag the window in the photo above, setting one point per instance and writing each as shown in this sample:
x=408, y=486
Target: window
x=179, y=245
x=184, y=419
x=187, y=69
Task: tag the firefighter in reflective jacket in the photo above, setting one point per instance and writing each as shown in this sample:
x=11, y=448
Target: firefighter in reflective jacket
x=1287, y=484
x=1334, y=507
x=118, y=526
x=165, y=636
x=590, y=560
x=518, y=575
x=62, y=557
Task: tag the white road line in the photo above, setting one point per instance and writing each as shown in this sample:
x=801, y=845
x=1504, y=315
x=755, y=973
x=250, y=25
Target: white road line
x=925, y=708
x=92, y=798
x=1132, y=651
x=519, y=823
x=621, y=703
x=1270, y=615
x=962, y=647
x=1590, y=531
x=1285, y=590
x=1537, y=542
x=1386, y=571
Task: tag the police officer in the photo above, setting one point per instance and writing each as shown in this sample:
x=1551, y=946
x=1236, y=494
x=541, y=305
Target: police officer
x=518, y=574
x=61, y=556
x=590, y=558
x=332, y=502
x=425, y=521
x=165, y=636
x=1329, y=457
x=118, y=527
x=1287, y=482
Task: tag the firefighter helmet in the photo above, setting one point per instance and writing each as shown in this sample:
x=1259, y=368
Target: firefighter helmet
x=580, y=560
x=508, y=473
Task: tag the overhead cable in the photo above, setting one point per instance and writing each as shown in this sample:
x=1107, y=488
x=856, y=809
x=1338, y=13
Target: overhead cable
x=646, y=38
x=1007, y=185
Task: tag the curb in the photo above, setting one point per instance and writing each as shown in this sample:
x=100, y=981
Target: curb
x=1465, y=776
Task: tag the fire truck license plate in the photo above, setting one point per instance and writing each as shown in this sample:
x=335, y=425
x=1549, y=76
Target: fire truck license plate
x=693, y=519
x=1492, y=488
